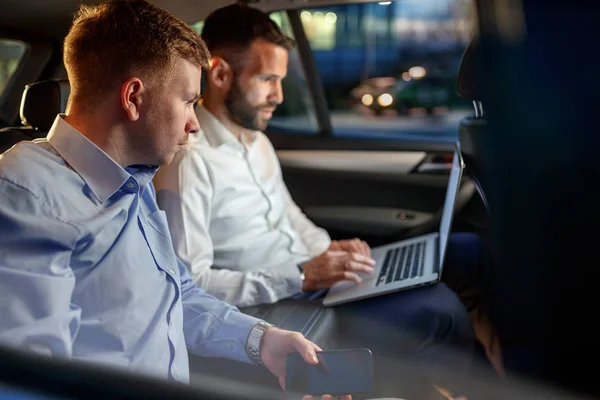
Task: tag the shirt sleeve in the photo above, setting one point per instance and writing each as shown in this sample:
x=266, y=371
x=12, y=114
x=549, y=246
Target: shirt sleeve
x=316, y=239
x=36, y=280
x=212, y=327
x=184, y=192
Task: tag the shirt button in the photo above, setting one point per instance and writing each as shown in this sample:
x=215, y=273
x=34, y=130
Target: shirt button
x=172, y=271
x=130, y=185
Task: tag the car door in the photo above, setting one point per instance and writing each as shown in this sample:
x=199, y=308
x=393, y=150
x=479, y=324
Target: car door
x=356, y=172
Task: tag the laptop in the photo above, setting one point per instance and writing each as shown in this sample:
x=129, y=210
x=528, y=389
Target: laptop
x=408, y=263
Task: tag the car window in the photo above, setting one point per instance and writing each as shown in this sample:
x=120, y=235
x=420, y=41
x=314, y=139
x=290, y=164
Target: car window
x=388, y=69
x=11, y=54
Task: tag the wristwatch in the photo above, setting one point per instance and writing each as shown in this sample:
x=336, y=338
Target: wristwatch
x=301, y=272
x=254, y=341
x=301, y=276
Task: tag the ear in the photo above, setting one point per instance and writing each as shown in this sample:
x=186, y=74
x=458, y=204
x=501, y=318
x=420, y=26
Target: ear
x=220, y=73
x=132, y=92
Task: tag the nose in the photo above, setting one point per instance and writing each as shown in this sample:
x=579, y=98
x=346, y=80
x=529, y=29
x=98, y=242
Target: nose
x=192, y=126
x=276, y=96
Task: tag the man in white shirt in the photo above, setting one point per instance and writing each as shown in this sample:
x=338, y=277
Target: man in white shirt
x=235, y=225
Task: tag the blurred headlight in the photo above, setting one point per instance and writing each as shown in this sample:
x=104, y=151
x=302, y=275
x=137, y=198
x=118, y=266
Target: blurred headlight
x=417, y=72
x=367, y=99
x=385, y=100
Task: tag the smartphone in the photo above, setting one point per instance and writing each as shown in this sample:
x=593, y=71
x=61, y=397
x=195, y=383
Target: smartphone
x=338, y=372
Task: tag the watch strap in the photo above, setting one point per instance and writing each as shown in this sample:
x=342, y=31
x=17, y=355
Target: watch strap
x=254, y=341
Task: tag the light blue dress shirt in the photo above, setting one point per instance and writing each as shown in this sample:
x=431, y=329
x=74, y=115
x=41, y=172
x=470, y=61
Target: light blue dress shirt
x=87, y=267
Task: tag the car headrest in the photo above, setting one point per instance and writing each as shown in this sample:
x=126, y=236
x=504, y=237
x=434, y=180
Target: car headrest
x=468, y=82
x=42, y=101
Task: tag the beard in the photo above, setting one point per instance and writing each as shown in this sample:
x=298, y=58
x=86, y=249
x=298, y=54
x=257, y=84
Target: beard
x=243, y=113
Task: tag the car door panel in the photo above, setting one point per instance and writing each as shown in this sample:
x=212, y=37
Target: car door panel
x=393, y=162
x=372, y=221
x=383, y=195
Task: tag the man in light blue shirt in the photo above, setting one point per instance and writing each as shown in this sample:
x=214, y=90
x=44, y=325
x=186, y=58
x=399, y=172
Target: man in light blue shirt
x=87, y=267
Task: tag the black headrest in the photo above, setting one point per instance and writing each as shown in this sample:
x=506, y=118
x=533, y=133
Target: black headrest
x=468, y=83
x=42, y=101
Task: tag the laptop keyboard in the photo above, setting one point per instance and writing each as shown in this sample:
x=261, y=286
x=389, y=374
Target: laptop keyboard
x=402, y=263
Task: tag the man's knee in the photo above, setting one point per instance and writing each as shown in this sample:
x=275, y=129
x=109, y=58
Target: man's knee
x=464, y=239
x=428, y=316
x=446, y=317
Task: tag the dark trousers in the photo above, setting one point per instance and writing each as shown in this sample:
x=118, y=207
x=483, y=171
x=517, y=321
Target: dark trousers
x=425, y=332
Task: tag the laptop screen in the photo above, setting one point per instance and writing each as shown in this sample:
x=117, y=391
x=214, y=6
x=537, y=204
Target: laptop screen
x=451, y=194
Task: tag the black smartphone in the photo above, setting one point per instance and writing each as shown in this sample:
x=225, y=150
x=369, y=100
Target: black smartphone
x=338, y=372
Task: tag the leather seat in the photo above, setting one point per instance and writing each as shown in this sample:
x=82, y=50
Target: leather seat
x=40, y=104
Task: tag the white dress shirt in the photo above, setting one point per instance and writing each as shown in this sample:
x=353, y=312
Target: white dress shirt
x=232, y=219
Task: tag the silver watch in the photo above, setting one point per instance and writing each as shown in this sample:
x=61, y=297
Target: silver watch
x=254, y=341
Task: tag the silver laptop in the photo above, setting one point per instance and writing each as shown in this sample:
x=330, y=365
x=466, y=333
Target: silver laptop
x=408, y=263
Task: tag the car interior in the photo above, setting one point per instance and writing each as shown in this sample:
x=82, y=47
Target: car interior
x=383, y=189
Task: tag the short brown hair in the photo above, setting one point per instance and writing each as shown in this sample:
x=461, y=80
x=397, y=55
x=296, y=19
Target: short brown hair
x=115, y=40
x=234, y=28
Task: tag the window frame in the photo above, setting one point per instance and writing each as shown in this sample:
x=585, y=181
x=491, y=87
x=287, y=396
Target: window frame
x=313, y=78
x=38, y=54
x=20, y=60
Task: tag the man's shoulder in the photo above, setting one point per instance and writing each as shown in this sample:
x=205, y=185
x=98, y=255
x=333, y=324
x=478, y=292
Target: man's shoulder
x=36, y=168
x=263, y=142
x=199, y=155
x=191, y=161
x=262, y=137
x=198, y=147
x=30, y=162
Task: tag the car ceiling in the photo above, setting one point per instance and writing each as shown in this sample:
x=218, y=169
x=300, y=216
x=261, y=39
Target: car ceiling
x=53, y=17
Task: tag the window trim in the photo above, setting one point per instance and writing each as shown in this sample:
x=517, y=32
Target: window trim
x=311, y=73
x=38, y=53
x=25, y=46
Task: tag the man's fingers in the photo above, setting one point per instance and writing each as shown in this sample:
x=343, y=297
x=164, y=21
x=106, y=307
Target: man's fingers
x=366, y=248
x=316, y=347
x=359, y=258
x=305, y=347
x=353, y=266
x=351, y=276
x=349, y=255
x=355, y=245
x=359, y=246
x=337, y=253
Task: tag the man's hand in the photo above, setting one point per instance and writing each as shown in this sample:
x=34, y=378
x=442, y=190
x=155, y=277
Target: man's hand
x=351, y=245
x=277, y=344
x=333, y=266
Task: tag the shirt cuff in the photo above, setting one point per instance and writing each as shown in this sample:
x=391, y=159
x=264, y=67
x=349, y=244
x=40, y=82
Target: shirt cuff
x=289, y=279
x=236, y=328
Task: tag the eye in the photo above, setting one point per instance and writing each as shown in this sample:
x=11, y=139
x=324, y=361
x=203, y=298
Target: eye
x=191, y=101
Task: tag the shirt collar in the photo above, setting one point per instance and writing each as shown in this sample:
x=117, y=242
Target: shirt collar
x=216, y=133
x=101, y=173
